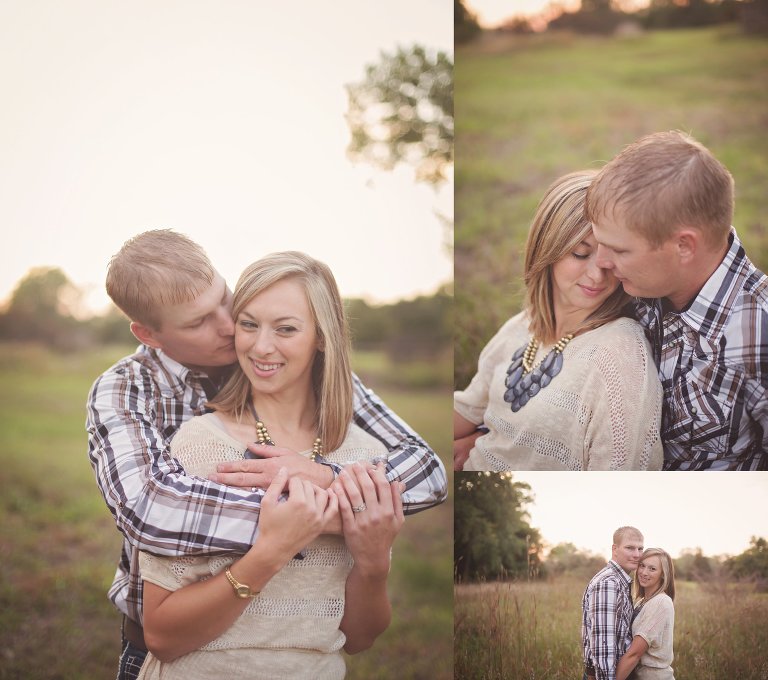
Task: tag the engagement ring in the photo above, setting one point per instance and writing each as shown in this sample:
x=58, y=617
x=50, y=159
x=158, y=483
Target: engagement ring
x=359, y=508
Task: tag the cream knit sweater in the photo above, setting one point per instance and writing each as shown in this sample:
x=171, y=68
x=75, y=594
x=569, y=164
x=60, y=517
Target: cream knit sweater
x=291, y=629
x=601, y=412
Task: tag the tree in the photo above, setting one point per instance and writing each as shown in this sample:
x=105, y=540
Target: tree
x=566, y=558
x=38, y=310
x=403, y=112
x=492, y=536
x=465, y=26
x=753, y=562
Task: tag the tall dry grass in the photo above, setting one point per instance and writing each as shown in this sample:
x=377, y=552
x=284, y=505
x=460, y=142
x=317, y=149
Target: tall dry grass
x=531, y=631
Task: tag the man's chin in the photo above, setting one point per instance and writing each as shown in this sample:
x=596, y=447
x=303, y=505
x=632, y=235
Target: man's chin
x=632, y=290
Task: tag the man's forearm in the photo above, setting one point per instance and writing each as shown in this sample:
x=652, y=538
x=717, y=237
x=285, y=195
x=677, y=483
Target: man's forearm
x=410, y=459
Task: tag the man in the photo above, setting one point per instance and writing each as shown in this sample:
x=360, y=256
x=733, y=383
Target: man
x=661, y=214
x=179, y=308
x=606, y=628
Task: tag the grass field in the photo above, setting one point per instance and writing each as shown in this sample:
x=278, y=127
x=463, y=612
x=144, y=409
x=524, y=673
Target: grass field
x=59, y=546
x=531, y=108
x=531, y=631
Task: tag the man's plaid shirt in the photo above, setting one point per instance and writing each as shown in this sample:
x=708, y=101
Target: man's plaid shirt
x=606, y=626
x=134, y=410
x=713, y=365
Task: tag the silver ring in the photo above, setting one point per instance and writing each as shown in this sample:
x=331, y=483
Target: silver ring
x=359, y=508
x=253, y=489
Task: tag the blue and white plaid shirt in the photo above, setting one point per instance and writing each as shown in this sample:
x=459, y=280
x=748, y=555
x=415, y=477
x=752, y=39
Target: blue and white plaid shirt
x=606, y=626
x=134, y=410
x=713, y=365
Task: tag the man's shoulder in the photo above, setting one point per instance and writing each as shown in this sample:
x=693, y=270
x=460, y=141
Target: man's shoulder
x=138, y=369
x=606, y=574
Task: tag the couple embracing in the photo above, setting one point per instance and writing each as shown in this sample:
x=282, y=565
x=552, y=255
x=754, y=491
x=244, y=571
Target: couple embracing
x=628, y=620
x=643, y=340
x=258, y=485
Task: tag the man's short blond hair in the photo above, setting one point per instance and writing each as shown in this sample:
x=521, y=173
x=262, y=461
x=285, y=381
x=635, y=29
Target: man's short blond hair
x=662, y=182
x=625, y=532
x=156, y=268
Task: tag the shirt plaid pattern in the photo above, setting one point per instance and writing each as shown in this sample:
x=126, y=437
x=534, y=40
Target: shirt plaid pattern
x=713, y=365
x=606, y=628
x=134, y=410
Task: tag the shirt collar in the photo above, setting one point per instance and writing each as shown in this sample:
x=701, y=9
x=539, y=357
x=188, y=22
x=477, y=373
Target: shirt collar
x=176, y=375
x=624, y=575
x=705, y=314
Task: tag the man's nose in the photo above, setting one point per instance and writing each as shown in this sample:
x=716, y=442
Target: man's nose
x=602, y=258
x=225, y=323
x=595, y=272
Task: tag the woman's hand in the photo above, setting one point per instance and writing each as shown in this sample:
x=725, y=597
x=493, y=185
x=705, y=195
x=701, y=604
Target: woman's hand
x=287, y=525
x=371, y=511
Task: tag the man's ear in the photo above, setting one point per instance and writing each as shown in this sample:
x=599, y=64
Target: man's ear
x=144, y=334
x=688, y=242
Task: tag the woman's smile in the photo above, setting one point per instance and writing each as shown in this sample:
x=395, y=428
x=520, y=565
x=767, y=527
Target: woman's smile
x=264, y=369
x=591, y=291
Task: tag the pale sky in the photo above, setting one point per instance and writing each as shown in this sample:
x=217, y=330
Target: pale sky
x=224, y=121
x=716, y=511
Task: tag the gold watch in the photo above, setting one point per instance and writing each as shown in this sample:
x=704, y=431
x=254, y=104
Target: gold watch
x=241, y=590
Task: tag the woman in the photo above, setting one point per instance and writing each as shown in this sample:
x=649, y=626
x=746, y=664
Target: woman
x=567, y=384
x=287, y=607
x=650, y=654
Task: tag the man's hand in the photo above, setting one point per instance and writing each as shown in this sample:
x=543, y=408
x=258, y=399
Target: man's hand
x=461, y=449
x=262, y=471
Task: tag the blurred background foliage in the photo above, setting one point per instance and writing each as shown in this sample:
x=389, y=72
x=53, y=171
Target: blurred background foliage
x=407, y=341
x=403, y=112
x=532, y=107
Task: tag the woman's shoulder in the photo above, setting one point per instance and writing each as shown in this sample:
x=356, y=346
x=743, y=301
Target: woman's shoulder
x=513, y=333
x=622, y=339
x=621, y=328
x=659, y=603
x=205, y=427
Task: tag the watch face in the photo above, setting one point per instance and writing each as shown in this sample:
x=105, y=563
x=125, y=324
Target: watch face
x=243, y=591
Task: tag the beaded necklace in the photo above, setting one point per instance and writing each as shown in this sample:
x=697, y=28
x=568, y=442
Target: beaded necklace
x=524, y=379
x=264, y=438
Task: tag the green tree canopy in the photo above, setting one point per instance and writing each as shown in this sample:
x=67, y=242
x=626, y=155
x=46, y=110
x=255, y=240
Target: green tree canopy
x=492, y=534
x=403, y=112
x=566, y=558
x=38, y=309
x=753, y=562
x=465, y=26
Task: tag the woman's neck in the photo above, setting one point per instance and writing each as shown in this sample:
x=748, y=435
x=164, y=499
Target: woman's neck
x=568, y=320
x=293, y=412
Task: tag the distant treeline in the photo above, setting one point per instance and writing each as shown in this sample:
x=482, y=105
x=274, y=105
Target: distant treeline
x=40, y=311
x=493, y=540
x=606, y=16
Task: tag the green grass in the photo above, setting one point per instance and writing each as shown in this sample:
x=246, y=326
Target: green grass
x=531, y=631
x=531, y=108
x=60, y=547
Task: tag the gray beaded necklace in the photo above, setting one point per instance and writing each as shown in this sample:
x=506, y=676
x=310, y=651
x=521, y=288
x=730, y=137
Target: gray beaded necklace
x=524, y=380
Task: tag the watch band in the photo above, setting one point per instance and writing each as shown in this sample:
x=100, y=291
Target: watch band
x=241, y=590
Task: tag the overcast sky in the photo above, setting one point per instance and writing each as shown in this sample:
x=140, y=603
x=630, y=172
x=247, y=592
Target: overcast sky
x=224, y=121
x=716, y=511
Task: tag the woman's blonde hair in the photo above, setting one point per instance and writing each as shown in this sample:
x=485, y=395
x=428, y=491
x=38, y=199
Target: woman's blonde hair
x=558, y=227
x=667, y=574
x=331, y=371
